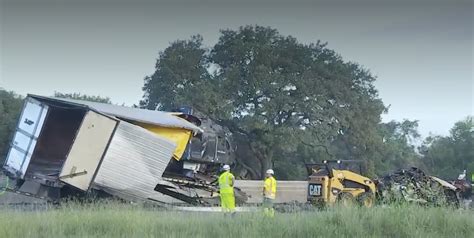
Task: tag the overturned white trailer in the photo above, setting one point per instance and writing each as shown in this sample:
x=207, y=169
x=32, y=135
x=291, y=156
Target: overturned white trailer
x=64, y=146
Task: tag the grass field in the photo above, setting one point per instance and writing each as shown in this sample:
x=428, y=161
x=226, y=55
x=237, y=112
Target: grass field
x=118, y=220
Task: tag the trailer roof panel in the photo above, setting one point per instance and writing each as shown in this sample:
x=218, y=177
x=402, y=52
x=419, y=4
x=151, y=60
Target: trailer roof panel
x=159, y=118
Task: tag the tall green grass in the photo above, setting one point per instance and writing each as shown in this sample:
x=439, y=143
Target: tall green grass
x=119, y=220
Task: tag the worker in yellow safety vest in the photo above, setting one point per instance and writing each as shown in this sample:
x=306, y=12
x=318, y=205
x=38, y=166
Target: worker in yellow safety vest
x=226, y=190
x=269, y=193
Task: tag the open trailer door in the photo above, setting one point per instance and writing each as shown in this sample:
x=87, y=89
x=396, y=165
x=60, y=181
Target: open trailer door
x=87, y=150
x=24, y=141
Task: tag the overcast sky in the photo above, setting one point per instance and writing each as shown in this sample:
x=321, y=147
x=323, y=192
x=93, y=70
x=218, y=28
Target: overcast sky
x=420, y=50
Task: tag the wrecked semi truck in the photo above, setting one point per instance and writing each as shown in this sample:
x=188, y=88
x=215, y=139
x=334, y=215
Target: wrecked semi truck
x=64, y=147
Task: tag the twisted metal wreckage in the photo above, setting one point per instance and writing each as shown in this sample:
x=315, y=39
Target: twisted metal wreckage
x=64, y=147
x=413, y=185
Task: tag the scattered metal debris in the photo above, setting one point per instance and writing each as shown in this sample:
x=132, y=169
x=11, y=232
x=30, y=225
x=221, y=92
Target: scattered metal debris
x=413, y=185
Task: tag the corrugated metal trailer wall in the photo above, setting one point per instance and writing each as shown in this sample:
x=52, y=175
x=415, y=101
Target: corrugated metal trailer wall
x=134, y=163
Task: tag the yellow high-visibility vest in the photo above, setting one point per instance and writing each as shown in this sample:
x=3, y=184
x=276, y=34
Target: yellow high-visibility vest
x=225, y=182
x=269, y=187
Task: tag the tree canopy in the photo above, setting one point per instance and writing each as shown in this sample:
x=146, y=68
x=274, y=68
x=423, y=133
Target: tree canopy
x=291, y=102
x=10, y=107
x=397, y=149
x=446, y=156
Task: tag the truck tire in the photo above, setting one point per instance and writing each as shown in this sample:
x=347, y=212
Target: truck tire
x=366, y=199
x=452, y=199
x=345, y=199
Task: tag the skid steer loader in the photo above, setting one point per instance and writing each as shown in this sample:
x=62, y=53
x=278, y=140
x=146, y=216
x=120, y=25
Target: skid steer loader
x=336, y=181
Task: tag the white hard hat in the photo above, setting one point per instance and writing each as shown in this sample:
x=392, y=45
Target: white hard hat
x=226, y=167
x=270, y=171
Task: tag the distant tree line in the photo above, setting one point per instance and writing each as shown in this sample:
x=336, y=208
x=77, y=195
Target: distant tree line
x=79, y=96
x=10, y=107
x=448, y=155
x=287, y=104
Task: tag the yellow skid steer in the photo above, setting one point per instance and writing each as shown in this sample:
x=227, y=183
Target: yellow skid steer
x=335, y=181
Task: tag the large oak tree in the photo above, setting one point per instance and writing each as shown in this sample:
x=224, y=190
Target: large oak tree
x=288, y=102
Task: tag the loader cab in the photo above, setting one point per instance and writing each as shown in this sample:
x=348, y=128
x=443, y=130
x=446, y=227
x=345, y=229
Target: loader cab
x=326, y=167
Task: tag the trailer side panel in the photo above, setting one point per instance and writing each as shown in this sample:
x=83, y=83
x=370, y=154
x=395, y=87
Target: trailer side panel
x=133, y=163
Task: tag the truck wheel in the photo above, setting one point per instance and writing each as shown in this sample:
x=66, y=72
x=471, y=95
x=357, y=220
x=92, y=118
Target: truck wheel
x=345, y=199
x=366, y=199
x=452, y=198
